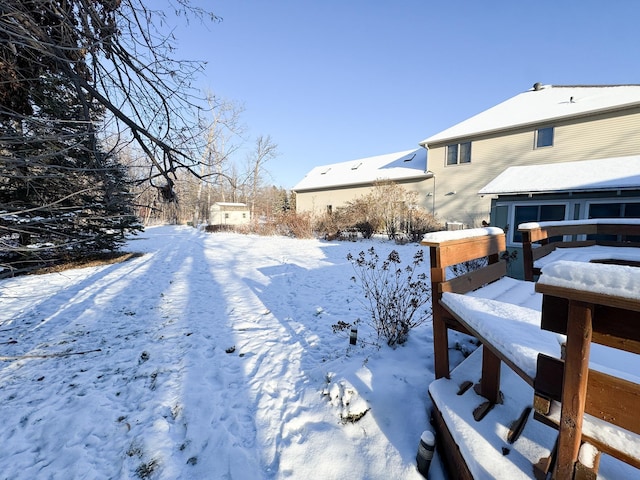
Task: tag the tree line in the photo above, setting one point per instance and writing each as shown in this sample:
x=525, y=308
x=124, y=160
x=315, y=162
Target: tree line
x=101, y=127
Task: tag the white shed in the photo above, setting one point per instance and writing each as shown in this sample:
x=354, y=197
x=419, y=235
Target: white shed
x=225, y=213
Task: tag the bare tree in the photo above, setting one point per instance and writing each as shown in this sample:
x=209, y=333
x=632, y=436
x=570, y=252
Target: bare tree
x=265, y=150
x=111, y=52
x=216, y=175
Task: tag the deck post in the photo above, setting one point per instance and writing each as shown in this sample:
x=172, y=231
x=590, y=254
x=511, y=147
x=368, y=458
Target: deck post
x=440, y=331
x=527, y=256
x=574, y=389
x=490, y=381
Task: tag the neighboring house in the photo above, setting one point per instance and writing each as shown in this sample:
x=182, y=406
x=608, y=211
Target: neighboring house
x=602, y=188
x=328, y=187
x=224, y=213
x=544, y=125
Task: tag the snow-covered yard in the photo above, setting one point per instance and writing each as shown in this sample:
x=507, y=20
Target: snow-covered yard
x=211, y=356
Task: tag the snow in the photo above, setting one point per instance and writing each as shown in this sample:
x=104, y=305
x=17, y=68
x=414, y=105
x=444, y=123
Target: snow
x=569, y=223
x=210, y=356
x=213, y=356
x=590, y=253
x=618, y=438
x=511, y=329
x=615, y=280
x=403, y=165
x=484, y=443
x=587, y=455
x=428, y=438
x=588, y=175
x=468, y=233
x=230, y=204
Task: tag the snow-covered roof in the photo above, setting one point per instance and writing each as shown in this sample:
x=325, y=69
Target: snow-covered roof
x=618, y=173
x=543, y=103
x=403, y=165
x=231, y=204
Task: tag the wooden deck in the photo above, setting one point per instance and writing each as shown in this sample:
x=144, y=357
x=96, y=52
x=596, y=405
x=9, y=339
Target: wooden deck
x=588, y=413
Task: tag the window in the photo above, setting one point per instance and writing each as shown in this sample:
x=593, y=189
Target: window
x=544, y=137
x=458, y=153
x=613, y=210
x=452, y=154
x=536, y=213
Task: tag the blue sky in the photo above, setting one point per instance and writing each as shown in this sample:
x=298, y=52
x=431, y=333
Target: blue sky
x=333, y=81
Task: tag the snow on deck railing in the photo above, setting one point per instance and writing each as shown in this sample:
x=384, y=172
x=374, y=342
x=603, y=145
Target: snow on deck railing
x=446, y=235
x=568, y=223
x=606, y=279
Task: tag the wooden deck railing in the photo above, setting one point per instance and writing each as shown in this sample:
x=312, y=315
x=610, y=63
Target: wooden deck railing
x=586, y=316
x=542, y=238
x=445, y=251
x=565, y=388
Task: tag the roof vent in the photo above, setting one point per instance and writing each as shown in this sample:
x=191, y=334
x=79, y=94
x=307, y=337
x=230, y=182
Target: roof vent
x=537, y=86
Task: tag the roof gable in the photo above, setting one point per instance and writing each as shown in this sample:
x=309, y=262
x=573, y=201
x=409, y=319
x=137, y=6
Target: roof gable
x=393, y=166
x=542, y=104
x=617, y=173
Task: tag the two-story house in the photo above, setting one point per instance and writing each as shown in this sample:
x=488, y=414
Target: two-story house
x=331, y=186
x=545, y=125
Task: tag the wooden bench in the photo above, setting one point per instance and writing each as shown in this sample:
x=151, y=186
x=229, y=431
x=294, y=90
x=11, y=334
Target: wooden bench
x=541, y=239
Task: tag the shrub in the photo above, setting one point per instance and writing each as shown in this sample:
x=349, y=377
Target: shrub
x=394, y=296
x=422, y=222
x=298, y=225
x=469, y=266
x=366, y=229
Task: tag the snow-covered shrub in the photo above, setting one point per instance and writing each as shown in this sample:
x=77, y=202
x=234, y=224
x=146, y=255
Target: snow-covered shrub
x=397, y=298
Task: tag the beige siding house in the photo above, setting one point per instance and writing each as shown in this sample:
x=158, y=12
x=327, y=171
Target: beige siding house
x=544, y=125
x=229, y=214
x=328, y=187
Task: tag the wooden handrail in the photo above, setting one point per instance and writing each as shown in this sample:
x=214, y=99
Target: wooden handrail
x=541, y=233
x=450, y=248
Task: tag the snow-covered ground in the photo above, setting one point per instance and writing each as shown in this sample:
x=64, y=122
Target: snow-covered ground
x=211, y=356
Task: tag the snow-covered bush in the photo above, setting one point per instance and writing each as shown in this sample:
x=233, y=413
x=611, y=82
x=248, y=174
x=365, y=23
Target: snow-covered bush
x=396, y=298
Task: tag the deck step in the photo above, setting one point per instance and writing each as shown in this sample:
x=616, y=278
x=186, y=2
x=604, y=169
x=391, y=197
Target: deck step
x=484, y=447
